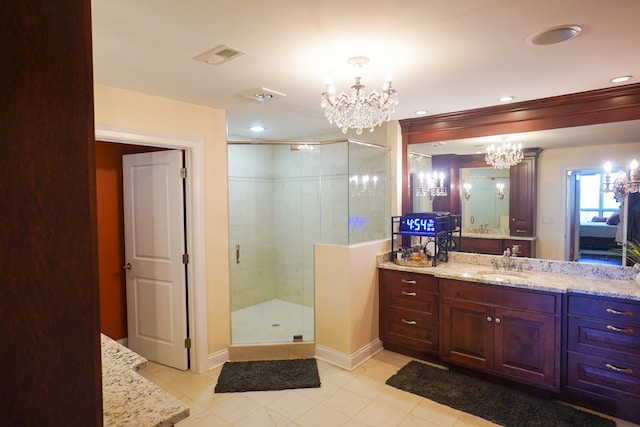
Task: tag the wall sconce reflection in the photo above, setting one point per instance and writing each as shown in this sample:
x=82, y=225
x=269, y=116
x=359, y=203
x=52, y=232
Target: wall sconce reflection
x=500, y=187
x=467, y=190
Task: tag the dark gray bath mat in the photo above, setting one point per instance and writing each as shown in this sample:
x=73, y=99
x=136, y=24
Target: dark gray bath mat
x=268, y=375
x=492, y=402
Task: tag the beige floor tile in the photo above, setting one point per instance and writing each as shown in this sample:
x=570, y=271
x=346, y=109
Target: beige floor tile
x=380, y=415
x=366, y=387
x=319, y=393
x=436, y=413
x=235, y=408
x=205, y=418
x=321, y=416
x=346, y=402
x=413, y=421
x=337, y=376
x=265, y=397
x=292, y=404
x=468, y=420
x=263, y=417
x=401, y=400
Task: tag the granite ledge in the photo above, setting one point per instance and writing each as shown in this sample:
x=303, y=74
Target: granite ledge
x=130, y=399
x=540, y=275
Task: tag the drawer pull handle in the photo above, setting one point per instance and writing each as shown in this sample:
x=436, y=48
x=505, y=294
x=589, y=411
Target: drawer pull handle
x=409, y=294
x=622, y=370
x=620, y=313
x=409, y=322
x=624, y=331
x=409, y=282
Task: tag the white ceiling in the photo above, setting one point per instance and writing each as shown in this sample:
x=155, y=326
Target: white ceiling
x=444, y=55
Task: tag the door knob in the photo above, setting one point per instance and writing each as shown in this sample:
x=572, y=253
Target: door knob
x=127, y=266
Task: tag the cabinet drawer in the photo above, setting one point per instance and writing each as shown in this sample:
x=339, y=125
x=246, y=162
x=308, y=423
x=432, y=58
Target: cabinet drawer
x=402, y=279
x=501, y=296
x=409, y=297
x=405, y=327
x=606, y=339
x=604, y=376
x=610, y=310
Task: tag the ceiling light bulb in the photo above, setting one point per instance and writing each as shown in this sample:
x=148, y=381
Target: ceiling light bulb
x=506, y=98
x=620, y=79
x=421, y=112
x=256, y=128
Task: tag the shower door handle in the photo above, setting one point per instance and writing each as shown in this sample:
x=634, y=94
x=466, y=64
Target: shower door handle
x=237, y=254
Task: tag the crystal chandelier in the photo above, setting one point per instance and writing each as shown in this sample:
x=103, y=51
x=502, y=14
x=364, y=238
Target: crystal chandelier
x=505, y=156
x=432, y=189
x=623, y=184
x=359, y=110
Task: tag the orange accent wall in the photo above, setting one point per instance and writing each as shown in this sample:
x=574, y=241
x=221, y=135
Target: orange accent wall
x=113, y=301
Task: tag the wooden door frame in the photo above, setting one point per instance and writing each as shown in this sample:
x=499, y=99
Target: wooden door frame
x=195, y=233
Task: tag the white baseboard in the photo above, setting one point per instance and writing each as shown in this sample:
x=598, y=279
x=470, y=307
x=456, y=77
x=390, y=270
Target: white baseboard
x=217, y=359
x=346, y=361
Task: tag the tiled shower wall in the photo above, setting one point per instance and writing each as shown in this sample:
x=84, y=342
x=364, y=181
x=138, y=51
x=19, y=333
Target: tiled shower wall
x=282, y=201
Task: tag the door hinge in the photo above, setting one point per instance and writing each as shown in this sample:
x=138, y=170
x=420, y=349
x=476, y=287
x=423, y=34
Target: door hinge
x=187, y=342
x=183, y=173
x=185, y=258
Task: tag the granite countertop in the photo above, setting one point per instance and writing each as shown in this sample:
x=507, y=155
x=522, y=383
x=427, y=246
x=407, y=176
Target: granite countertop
x=128, y=398
x=542, y=275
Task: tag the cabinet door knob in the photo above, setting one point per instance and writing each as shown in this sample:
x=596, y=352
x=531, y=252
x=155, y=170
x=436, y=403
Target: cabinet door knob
x=623, y=330
x=409, y=322
x=409, y=294
x=622, y=370
x=409, y=282
x=489, y=319
x=498, y=320
x=619, y=313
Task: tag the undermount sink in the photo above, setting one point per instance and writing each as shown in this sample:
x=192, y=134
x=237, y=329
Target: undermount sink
x=501, y=274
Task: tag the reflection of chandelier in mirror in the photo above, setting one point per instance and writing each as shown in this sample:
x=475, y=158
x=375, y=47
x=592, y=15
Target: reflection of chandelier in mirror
x=359, y=110
x=432, y=189
x=500, y=187
x=505, y=156
x=623, y=184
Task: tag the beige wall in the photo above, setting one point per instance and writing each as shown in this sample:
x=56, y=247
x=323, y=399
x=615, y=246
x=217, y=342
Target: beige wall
x=552, y=196
x=346, y=293
x=142, y=113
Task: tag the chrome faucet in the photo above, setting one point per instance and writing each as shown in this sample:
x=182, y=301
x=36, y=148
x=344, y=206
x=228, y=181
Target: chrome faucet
x=507, y=263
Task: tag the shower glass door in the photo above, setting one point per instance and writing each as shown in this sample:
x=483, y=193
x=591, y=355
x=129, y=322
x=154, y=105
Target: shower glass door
x=273, y=223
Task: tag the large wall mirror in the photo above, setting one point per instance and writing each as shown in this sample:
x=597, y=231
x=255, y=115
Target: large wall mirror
x=577, y=133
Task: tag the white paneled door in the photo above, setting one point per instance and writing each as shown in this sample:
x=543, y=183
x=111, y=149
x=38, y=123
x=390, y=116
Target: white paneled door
x=154, y=247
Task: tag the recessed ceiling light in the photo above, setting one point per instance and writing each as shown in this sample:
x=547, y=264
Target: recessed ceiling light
x=554, y=35
x=506, y=98
x=620, y=79
x=421, y=112
x=256, y=128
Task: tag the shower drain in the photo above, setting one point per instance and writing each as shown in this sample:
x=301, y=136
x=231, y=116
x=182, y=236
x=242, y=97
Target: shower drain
x=275, y=325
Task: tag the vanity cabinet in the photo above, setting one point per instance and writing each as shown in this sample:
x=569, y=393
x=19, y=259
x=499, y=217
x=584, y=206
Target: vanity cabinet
x=409, y=309
x=522, y=196
x=512, y=333
x=603, y=355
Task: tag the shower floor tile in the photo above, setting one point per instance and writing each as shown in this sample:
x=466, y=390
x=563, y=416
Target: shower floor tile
x=274, y=321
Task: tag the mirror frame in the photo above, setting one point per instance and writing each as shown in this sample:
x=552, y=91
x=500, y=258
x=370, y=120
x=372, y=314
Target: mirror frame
x=607, y=105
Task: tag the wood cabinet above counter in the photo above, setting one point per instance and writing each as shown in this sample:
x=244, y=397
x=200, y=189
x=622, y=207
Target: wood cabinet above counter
x=495, y=245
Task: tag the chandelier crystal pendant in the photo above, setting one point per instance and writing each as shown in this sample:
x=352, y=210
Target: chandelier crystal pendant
x=623, y=184
x=505, y=156
x=359, y=110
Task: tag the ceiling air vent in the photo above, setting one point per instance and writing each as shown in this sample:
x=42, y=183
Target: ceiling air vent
x=218, y=55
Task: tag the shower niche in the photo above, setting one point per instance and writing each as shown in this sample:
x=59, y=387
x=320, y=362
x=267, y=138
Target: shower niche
x=283, y=199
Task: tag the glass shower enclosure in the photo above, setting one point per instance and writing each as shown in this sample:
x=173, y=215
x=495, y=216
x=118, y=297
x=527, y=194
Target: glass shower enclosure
x=284, y=198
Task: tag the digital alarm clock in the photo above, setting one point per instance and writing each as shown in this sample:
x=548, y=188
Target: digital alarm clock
x=423, y=223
